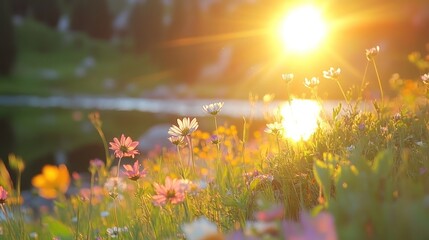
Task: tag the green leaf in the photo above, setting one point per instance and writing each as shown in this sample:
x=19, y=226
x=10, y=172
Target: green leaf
x=57, y=228
x=383, y=164
x=336, y=111
x=322, y=175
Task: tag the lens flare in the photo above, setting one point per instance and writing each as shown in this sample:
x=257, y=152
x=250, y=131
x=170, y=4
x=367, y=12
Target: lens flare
x=303, y=29
x=300, y=119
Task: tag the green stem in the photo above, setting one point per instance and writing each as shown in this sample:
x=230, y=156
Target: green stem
x=217, y=143
x=116, y=212
x=191, y=152
x=119, y=165
x=186, y=207
x=362, y=85
x=116, y=193
x=182, y=170
x=106, y=148
x=344, y=94
x=379, y=81
x=10, y=230
x=244, y=141
x=90, y=205
x=18, y=186
x=77, y=222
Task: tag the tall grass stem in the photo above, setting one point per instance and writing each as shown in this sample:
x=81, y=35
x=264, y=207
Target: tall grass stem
x=379, y=80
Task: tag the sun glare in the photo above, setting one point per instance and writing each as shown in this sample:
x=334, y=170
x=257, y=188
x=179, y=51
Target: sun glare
x=300, y=119
x=303, y=29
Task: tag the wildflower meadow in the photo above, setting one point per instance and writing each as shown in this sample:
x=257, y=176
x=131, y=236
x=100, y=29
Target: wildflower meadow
x=357, y=171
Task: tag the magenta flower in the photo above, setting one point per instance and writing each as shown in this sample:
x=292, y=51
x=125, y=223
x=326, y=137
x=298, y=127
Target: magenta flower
x=133, y=172
x=172, y=192
x=3, y=195
x=124, y=147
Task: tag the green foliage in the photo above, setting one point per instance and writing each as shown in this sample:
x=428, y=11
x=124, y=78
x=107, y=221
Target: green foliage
x=7, y=39
x=57, y=228
x=146, y=25
x=47, y=12
x=370, y=202
x=382, y=197
x=92, y=18
x=35, y=37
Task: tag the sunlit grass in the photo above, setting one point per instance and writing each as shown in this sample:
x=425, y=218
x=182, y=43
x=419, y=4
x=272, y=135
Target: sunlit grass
x=220, y=183
x=240, y=183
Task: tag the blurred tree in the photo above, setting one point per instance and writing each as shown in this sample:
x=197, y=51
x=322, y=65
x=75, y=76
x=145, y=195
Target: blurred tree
x=146, y=25
x=92, y=17
x=184, y=52
x=46, y=11
x=19, y=7
x=7, y=39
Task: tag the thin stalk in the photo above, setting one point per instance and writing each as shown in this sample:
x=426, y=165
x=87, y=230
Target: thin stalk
x=278, y=143
x=217, y=133
x=186, y=208
x=379, y=81
x=90, y=205
x=11, y=231
x=106, y=148
x=344, y=94
x=191, y=152
x=182, y=170
x=244, y=141
x=217, y=143
x=119, y=165
x=363, y=79
x=115, y=193
x=116, y=212
x=77, y=222
x=4, y=211
x=18, y=185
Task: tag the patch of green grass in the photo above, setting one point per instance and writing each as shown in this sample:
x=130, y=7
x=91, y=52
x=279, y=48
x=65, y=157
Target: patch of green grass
x=41, y=49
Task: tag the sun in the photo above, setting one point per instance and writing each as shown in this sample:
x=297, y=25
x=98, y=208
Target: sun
x=303, y=29
x=300, y=119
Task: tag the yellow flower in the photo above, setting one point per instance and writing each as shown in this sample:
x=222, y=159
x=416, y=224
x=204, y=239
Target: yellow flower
x=52, y=180
x=156, y=168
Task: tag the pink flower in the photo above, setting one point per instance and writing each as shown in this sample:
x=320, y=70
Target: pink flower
x=171, y=192
x=133, y=172
x=272, y=214
x=3, y=195
x=321, y=227
x=124, y=147
x=96, y=163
